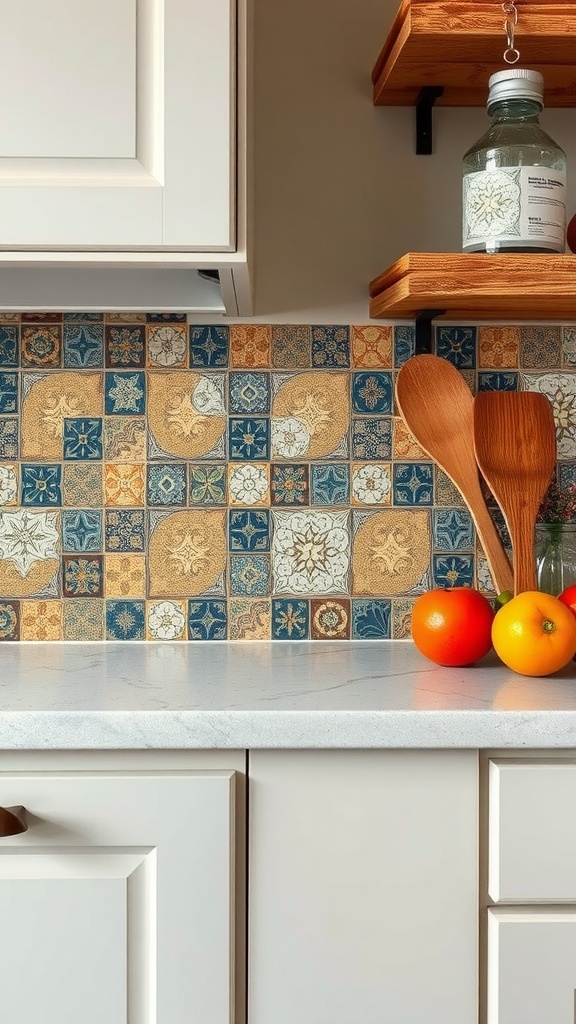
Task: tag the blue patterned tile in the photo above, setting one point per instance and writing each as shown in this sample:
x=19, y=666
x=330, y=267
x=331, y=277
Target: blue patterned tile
x=125, y=620
x=9, y=439
x=249, y=575
x=249, y=530
x=413, y=483
x=290, y=619
x=452, y=529
x=125, y=345
x=289, y=485
x=83, y=345
x=372, y=438
x=331, y=347
x=248, y=439
x=81, y=530
x=404, y=343
x=166, y=484
x=125, y=394
x=8, y=392
x=330, y=484
x=124, y=529
x=9, y=620
x=207, y=620
x=566, y=474
x=249, y=392
x=83, y=318
x=453, y=570
x=82, y=576
x=9, y=344
x=83, y=439
x=457, y=345
x=207, y=484
x=372, y=392
x=371, y=620
x=498, y=380
x=41, y=485
x=209, y=345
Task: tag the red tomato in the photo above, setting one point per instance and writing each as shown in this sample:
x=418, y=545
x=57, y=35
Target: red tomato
x=452, y=626
x=568, y=597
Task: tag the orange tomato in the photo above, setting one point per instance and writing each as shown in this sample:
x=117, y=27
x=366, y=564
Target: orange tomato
x=534, y=634
x=452, y=626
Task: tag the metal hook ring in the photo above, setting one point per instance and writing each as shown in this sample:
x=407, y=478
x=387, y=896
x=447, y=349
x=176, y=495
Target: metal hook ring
x=511, y=55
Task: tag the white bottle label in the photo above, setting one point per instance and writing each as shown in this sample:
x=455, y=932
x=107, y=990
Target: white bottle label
x=514, y=207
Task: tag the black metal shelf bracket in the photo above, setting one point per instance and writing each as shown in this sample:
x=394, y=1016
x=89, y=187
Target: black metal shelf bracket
x=423, y=332
x=426, y=99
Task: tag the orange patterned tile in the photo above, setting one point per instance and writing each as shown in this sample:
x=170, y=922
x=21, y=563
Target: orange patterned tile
x=498, y=347
x=124, y=484
x=250, y=345
x=372, y=346
x=41, y=620
x=405, y=445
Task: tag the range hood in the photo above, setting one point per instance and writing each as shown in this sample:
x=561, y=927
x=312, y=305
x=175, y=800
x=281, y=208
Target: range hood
x=99, y=289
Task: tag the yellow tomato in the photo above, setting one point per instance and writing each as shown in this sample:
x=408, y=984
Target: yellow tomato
x=534, y=634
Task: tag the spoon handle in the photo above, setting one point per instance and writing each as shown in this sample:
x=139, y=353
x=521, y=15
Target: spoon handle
x=522, y=537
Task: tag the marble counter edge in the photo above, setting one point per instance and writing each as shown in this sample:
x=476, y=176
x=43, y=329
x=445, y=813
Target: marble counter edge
x=181, y=730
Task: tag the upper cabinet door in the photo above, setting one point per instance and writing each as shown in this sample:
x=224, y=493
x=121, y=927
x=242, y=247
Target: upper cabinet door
x=117, y=124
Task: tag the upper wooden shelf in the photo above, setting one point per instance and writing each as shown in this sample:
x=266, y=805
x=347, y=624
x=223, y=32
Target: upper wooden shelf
x=458, y=45
x=476, y=286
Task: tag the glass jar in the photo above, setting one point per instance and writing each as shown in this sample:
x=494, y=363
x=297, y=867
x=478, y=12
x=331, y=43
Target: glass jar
x=555, y=556
x=514, y=177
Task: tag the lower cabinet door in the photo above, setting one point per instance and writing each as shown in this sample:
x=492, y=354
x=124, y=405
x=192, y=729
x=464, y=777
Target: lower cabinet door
x=532, y=966
x=117, y=904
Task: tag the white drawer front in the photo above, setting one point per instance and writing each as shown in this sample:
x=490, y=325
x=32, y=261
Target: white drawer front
x=532, y=832
x=531, y=966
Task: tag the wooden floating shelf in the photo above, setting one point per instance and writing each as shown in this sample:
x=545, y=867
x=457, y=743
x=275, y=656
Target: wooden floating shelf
x=515, y=287
x=458, y=45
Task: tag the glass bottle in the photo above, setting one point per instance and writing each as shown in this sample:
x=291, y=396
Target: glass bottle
x=555, y=556
x=514, y=177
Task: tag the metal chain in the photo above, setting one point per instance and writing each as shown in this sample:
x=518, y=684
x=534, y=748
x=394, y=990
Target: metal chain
x=511, y=54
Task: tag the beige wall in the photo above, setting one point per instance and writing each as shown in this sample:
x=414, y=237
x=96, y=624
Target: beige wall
x=339, y=191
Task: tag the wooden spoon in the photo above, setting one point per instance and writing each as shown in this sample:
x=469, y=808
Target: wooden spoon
x=515, y=444
x=437, y=407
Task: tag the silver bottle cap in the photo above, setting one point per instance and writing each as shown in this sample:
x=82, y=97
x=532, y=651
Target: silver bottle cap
x=516, y=84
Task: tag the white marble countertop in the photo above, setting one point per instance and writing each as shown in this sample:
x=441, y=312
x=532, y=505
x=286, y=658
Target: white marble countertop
x=284, y=694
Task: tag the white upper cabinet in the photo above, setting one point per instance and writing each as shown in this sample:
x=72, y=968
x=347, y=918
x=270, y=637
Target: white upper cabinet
x=117, y=125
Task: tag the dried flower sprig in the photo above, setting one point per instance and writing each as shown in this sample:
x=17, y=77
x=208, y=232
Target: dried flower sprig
x=558, y=505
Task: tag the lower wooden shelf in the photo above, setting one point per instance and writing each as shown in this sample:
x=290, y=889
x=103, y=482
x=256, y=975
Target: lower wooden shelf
x=476, y=286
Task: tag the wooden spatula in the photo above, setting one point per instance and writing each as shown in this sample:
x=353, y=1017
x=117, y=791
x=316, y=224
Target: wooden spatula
x=515, y=445
x=437, y=407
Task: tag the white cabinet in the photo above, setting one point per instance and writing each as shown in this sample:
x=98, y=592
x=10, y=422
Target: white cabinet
x=116, y=124
x=532, y=966
x=363, y=887
x=118, y=904
x=122, y=145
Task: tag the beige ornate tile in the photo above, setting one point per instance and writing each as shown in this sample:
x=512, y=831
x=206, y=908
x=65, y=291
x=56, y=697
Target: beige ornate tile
x=187, y=553
x=50, y=399
x=249, y=484
x=83, y=619
x=125, y=439
x=391, y=551
x=124, y=575
x=9, y=477
x=41, y=620
x=371, y=483
x=405, y=445
x=166, y=345
x=166, y=620
x=310, y=415
x=249, y=619
x=402, y=619
x=310, y=552
x=186, y=412
x=82, y=485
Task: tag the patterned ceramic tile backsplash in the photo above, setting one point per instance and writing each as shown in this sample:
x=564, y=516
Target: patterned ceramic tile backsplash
x=162, y=480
